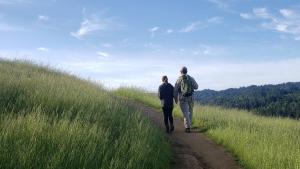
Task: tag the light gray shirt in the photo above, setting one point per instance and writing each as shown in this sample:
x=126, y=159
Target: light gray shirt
x=178, y=85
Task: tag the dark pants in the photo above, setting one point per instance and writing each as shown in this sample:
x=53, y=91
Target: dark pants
x=168, y=117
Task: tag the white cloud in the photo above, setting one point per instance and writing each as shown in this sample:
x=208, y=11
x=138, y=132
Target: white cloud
x=282, y=27
x=197, y=25
x=220, y=4
x=94, y=24
x=262, y=13
x=214, y=75
x=43, y=49
x=88, y=26
x=287, y=13
x=227, y=75
x=43, y=18
x=225, y=5
x=169, y=31
x=124, y=71
x=215, y=20
x=103, y=55
x=246, y=15
x=193, y=27
x=147, y=69
x=204, y=50
x=106, y=45
x=153, y=30
x=288, y=22
x=200, y=51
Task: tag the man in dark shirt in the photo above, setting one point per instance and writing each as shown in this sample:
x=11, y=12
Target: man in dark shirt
x=165, y=94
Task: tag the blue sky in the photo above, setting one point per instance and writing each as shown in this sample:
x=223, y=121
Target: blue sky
x=224, y=44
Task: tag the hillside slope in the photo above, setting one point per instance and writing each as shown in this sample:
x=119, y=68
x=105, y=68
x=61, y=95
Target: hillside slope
x=50, y=119
x=274, y=100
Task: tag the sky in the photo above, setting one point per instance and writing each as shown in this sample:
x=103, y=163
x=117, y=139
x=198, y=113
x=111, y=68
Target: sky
x=223, y=43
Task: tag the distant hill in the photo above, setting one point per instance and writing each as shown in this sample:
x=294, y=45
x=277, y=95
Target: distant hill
x=272, y=100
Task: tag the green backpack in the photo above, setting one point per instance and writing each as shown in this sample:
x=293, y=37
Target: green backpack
x=186, y=86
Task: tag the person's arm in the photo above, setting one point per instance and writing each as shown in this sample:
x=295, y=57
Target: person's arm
x=175, y=98
x=195, y=85
x=176, y=90
x=159, y=93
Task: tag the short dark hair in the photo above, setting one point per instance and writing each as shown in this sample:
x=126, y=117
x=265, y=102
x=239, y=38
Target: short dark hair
x=164, y=78
x=183, y=70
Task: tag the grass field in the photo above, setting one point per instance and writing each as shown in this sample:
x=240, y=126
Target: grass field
x=49, y=119
x=257, y=142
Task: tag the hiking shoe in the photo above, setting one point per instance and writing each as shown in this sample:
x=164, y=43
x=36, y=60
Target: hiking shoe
x=172, y=129
x=167, y=130
x=187, y=130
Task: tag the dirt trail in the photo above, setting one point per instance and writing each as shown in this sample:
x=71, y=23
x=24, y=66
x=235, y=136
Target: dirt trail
x=191, y=150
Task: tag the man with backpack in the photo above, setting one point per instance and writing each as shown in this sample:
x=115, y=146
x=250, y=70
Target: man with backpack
x=184, y=89
x=165, y=94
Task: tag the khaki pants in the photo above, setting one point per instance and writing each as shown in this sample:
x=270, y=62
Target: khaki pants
x=186, y=105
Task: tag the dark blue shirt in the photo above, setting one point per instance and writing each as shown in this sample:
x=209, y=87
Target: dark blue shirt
x=165, y=93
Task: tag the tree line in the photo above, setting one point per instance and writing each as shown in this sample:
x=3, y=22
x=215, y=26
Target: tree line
x=270, y=100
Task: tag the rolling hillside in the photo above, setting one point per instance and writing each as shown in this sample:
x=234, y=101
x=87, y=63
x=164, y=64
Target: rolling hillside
x=272, y=100
x=49, y=119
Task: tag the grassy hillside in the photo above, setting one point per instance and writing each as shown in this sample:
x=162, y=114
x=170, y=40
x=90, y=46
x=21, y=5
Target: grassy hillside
x=257, y=142
x=50, y=119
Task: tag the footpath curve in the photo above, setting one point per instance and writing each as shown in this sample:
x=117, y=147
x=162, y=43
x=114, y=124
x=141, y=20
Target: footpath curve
x=191, y=150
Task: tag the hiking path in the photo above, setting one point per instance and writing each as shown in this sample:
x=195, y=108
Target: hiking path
x=190, y=150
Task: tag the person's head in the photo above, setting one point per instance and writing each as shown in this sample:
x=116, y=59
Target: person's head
x=183, y=70
x=164, y=79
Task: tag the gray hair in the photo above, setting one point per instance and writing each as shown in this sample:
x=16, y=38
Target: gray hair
x=183, y=70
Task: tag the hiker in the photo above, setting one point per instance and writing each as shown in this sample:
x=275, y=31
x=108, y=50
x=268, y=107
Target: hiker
x=184, y=89
x=165, y=94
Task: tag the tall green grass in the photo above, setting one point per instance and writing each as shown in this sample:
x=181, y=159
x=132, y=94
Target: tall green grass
x=257, y=142
x=49, y=119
